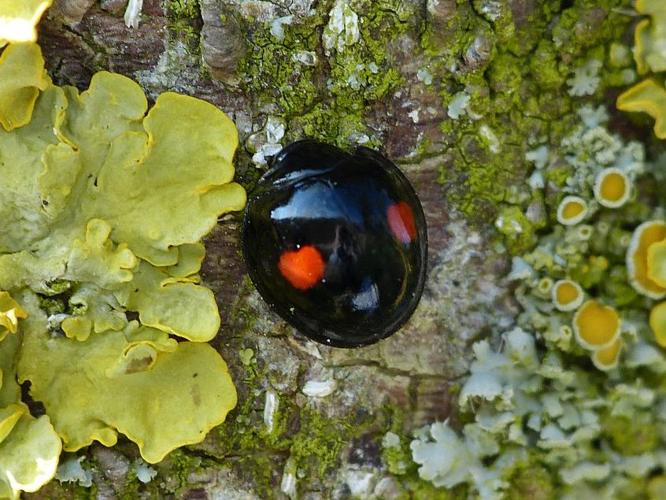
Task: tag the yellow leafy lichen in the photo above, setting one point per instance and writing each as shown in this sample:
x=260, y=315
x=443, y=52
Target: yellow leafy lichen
x=28, y=456
x=648, y=97
x=162, y=302
x=9, y=415
x=175, y=392
x=22, y=76
x=107, y=200
x=656, y=263
x=95, y=306
x=658, y=323
x=77, y=327
x=10, y=313
x=650, y=37
x=645, y=235
x=29, y=447
x=18, y=19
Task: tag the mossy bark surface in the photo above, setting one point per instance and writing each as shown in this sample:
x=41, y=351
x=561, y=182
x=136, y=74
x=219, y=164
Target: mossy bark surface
x=456, y=93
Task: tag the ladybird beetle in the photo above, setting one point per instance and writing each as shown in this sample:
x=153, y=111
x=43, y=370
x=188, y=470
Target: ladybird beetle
x=336, y=243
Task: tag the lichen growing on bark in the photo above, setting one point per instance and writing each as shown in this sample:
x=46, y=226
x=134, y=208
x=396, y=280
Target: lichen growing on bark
x=533, y=394
x=463, y=95
x=85, y=228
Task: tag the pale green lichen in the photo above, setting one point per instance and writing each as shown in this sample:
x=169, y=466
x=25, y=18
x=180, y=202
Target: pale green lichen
x=586, y=78
x=105, y=203
x=539, y=397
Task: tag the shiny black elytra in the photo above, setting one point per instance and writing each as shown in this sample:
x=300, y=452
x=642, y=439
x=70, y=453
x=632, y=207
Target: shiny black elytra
x=336, y=243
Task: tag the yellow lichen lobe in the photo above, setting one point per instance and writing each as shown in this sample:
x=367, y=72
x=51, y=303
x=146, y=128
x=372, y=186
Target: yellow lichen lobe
x=22, y=76
x=77, y=327
x=612, y=188
x=648, y=97
x=656, y=263
x=567, y=295
x=596, y=326
x=658, y=323
x=28, y=456
x=18, y=19
x=607, y=358
x=29, y=446
x=177, y=392
x=644, y=237
x=10, y=313
x=572, y=210
x=9, y=415
x=650, y=36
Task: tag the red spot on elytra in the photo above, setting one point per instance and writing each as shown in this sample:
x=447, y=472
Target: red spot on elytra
x=302, y=268
x=401, y=221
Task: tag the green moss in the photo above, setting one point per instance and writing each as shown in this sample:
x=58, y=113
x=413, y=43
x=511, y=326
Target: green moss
x=51, y=305
x=616, y=285
x=263, y=471
x=56, y=287
x=590, y=272
x=518, y=231
x=533, y=482
x=559, y=175
x=56, y=490
x=183, y=8
x=545, y=67
x=445, y=39
x=589, y=23
x=632, y=436
x=317, y=445
x=420, y=489
x=397, y=458
x=657, y=487
x=176, y=469
x=184, y=22
x=520, y=93
x=357, y=77
x=312, y=441
x=505, y=75
x=268, y=68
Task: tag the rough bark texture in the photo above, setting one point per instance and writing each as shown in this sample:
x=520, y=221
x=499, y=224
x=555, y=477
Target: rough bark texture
x=276, y=64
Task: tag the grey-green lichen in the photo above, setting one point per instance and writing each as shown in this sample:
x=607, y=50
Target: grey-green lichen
x=577, y=403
